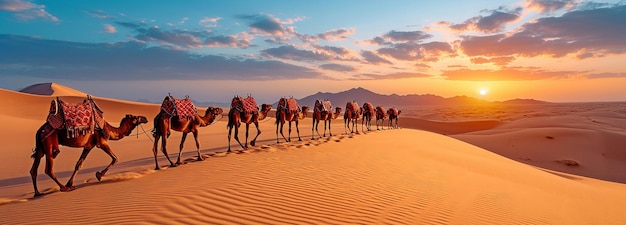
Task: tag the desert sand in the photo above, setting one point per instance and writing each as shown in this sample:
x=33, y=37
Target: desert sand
x=555, y=164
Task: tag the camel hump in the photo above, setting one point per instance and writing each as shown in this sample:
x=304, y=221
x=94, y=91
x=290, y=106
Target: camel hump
x=245, y=105
x=323, y=105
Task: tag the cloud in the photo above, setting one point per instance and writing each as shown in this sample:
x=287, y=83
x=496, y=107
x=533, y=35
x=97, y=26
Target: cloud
x=182, y=39
x=400, y=75
x=332, y=35
x=507, y=74
x=399, y=36
x=209, y=22
x=290, y=52
x=606, y=75
x=373, y=58
x=594, y=32
x=489, y=24
x=26, y=10
x=550, y=5
x=267, y=24
x=100, y=14
x=337, y=67
x=501, y=61
x=131, y=61
x=413, y=51
x=108, y=28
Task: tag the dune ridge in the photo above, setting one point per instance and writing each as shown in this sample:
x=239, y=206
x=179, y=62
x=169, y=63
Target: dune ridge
x=401, y=176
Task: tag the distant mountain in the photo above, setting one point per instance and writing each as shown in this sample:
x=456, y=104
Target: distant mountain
x=519, y=101
x=361, y=95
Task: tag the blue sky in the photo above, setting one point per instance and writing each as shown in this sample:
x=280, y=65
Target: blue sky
x=568, y=50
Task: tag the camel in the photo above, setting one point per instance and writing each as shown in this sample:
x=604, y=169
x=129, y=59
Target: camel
x=48, y=139
x=353, y=111
x=284, y=114
x=381, y=115
x=163, y=122
x=238, y=114
x=393, y=115
x=321, y=114
x=368, y=113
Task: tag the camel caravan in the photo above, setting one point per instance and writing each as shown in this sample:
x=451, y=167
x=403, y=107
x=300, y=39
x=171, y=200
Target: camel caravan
x=82, y=125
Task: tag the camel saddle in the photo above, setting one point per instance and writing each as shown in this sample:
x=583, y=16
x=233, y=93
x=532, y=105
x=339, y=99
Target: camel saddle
x=183, y=108
x=394, y=111
x=352, y=106
x=245, y=105
x=368, y=107
x=323, y=105
x=76, y=118
x=380, y=110
x=289, y=104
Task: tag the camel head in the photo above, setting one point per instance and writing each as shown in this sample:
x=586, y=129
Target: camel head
x=266, y=108
x=214, y=110
x=133, y=121
x=305, y=109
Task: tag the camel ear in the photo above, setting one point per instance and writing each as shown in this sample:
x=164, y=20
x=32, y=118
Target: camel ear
x=129, y=115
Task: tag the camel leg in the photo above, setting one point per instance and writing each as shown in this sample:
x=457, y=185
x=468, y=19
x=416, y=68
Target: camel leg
x=297, y=131
x=237, y=136
x=247, y=132
x=277, y=124
x=155, y=145
x=230, y=129
x=50, y=172
x=289, y=139
x=33, y=171
x=79, y=165
x=258, y=132
x=329, y=132
x=164, y=150
x=114, y=159
x=180, y=147
x=195, y=138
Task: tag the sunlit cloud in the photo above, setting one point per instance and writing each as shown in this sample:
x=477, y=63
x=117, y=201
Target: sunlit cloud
x=290, y=52
x=495, y=22
x=586, y=33
x=100, y=14
x=373, y=58
x=26, y=10
x=267, y=24
x=337, y=67
x=508, y=74
x=550, y=5
x=108, y=28
x=400, y=75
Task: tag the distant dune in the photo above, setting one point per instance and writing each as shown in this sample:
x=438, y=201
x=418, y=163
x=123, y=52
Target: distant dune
x=52, y=89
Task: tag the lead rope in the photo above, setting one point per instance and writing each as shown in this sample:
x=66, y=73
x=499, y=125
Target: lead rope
x=144, y=132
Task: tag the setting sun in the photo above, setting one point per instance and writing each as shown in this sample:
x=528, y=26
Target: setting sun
x=483, y=91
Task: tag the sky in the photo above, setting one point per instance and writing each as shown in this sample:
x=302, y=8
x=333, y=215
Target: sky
x=552, y=50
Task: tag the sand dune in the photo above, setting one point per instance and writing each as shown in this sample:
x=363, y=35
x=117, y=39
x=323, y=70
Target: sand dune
x=403, y=176
x=52, y=89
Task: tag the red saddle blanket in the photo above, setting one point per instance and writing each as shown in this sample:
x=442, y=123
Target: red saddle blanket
x=76, y=118
x=380, y=110
x=323, y=105
x=288, y=104
x=393, y=112
x=247, y=105
x=368, y=107
x=352, y=106
x=183, y=108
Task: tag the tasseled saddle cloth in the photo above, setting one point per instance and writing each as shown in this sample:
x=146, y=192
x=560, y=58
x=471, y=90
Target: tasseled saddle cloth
x=245, y=105
x=288, y=104
x=368, y=107
x=352, y=106
x=323, y=105
x=183, y=108
x=76, y=118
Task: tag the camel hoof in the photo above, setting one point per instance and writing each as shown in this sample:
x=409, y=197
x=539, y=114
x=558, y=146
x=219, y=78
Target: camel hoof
x=157, y=168
x=66, y=189
x=251, y=143
x=200, y=158
x=99, y=176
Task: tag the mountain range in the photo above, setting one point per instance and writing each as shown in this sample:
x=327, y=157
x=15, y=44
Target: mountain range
x=362, y=95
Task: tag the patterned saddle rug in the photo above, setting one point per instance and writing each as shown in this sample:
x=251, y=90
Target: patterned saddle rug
x=352, y=106
x=380, y=111
x=323, y=105
x=368, y=107
x=288, y=104
x=245, y=105
x=183, y=108
x=76, y=118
